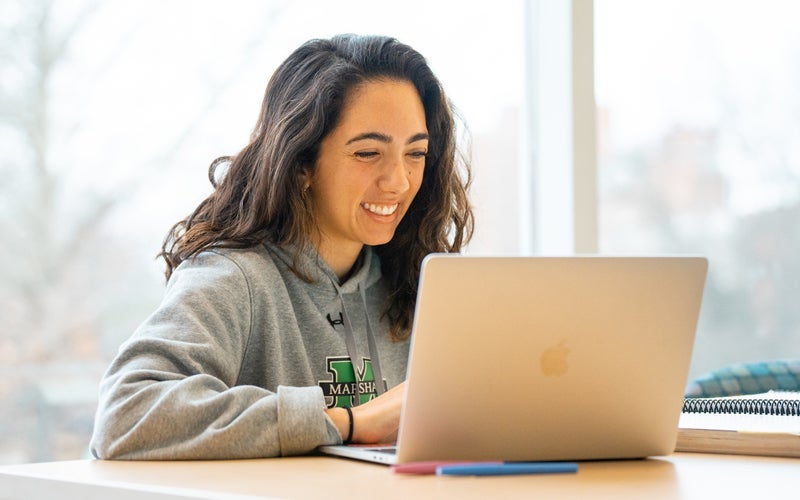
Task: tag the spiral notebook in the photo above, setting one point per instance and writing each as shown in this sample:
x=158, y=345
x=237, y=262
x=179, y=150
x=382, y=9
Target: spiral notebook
x=755, y=424
x=546, y=358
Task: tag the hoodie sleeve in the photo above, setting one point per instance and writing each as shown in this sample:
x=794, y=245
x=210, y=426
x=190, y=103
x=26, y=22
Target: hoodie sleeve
x=171, y=391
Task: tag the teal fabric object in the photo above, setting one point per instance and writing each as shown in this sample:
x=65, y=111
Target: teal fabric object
x=747, y=378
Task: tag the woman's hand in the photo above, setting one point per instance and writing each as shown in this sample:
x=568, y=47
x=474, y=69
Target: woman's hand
x=376, y=421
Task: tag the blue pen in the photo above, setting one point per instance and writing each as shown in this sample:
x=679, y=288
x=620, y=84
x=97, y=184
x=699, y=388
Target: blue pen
x=505, y=469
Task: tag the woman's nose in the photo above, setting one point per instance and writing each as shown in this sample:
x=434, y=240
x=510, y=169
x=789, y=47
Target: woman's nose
x=394, y=177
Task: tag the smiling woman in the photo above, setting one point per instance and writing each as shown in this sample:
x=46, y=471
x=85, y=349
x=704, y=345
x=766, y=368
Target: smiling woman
x=364, y=182
x=301, y=266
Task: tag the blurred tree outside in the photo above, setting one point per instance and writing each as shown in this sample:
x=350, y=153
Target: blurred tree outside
x=72, y=280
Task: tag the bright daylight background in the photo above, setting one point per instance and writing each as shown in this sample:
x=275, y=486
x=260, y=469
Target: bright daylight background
x=111, y=112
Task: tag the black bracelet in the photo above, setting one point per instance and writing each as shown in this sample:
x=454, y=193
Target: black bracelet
x=350, y=432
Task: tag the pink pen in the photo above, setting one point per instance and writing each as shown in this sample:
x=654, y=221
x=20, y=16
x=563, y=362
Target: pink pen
x=429, y=467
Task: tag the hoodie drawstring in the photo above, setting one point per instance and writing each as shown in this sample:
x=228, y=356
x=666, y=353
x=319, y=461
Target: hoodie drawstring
x=373, y=347
x=350, y=342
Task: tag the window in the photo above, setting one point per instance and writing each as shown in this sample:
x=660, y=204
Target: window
x=110, y=116
x=698, y=153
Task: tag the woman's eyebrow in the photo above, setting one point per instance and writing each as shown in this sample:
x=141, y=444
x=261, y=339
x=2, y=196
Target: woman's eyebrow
x=422, y=136
x=371, y=135
x=378, y=136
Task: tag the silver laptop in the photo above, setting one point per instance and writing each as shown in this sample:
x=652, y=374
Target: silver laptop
x=546, y=358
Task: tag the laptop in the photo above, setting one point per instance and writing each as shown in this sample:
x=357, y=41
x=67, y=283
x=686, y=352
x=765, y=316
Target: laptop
x=546, y=359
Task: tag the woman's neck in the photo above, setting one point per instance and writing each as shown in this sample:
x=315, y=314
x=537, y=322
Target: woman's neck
x=341, y=260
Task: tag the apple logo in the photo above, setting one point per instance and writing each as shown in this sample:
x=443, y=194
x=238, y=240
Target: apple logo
x=554, y=360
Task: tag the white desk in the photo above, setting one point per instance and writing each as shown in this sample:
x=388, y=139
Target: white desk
x=682, y=475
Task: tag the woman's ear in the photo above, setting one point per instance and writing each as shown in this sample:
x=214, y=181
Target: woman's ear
x=305, y=180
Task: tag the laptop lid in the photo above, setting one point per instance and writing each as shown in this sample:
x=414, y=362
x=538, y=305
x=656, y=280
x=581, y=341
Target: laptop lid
x=549, y=358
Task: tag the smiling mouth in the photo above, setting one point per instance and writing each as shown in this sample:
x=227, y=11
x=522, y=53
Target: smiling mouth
x=380, y=209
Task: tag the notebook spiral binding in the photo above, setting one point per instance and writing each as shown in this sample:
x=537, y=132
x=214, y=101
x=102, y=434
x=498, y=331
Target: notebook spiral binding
x=783, y=407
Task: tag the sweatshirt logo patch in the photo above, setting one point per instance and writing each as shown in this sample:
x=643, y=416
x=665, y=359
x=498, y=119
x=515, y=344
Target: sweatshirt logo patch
x=342, y=390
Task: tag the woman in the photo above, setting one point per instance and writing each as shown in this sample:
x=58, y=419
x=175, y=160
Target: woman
x=291, y=288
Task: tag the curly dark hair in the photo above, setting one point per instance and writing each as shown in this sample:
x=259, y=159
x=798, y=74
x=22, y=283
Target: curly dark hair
x=260, y=195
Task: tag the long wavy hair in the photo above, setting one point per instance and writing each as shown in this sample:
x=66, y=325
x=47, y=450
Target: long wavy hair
x=260, y=195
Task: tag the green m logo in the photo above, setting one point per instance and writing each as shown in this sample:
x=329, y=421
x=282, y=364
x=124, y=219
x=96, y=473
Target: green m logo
x=341, y=391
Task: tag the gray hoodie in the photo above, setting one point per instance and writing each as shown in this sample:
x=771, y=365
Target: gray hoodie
x=242, y=358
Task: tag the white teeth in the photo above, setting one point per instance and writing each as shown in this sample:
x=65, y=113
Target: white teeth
x=380, y=209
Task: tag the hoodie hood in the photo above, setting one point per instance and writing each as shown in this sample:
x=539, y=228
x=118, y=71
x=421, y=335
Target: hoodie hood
x=325, y=287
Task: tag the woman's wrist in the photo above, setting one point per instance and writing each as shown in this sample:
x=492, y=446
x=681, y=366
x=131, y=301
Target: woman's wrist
x=349, y=438
x=340, y=419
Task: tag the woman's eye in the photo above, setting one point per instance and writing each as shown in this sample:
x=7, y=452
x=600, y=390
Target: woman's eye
x=418, y=154
x=364, y=155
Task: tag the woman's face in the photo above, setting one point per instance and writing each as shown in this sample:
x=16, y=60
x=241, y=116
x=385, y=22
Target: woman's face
x=369, y=168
